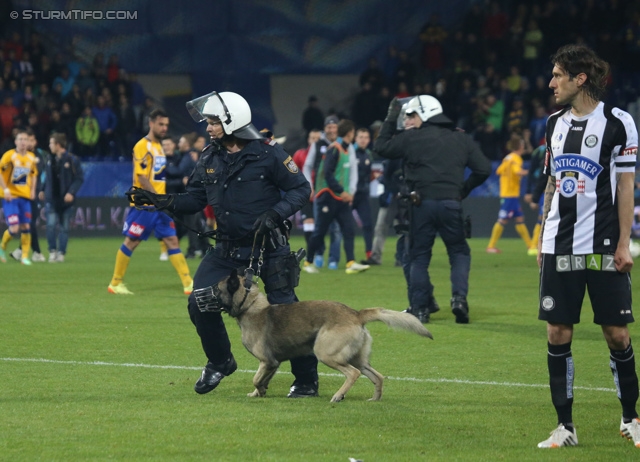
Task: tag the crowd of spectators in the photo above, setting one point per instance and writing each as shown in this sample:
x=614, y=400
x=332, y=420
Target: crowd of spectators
x=491, y=70
x=99, y=107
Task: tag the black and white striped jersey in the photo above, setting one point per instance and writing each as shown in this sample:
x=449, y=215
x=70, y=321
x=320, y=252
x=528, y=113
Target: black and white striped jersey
x=585, y=154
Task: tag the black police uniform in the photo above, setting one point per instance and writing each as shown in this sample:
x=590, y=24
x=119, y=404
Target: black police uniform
x=241, y=187
x=435, y=158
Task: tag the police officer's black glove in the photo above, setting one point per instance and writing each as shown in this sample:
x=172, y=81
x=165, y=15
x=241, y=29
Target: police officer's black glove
x=393, y=111
x=266, y=222
x=143, y=199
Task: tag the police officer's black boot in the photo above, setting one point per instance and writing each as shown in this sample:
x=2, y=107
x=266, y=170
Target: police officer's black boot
x=303, y=390
x=460, y=309
x=212, y=375
x=423, y=314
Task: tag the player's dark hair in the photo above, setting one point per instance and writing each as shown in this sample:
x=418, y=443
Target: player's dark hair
x=579, y=59
x=363, y=130
x=60, y=139
x=157, y=113
x=344, y=127
x=23, y=130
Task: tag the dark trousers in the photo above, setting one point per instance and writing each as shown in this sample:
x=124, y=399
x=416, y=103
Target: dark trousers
x=330, y=209
x=362, y=205
x=215, y=266
x=35, y=216
x=195, y=222
x=335, y=238
x=443, y=217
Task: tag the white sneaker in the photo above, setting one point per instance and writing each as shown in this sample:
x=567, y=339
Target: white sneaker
x=631, y=431
x=16, y=254
x=38, y=257
x=60, y=257
x=560, y=437
x=164, y=256
x=356, y=267
x=52, y=256
x=310, y=268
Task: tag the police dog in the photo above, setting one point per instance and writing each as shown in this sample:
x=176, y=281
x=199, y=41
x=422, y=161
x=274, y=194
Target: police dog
x=332, y=331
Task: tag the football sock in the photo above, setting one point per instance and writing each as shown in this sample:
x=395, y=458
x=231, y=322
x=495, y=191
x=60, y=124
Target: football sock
x=178, y=261
x=522, y=230
x=496, y=232
x=25, y=242
x=163, y=247
x=561, y=373
x=123, y=256
x=623, y=368
x=536, y=236
x=6, y=237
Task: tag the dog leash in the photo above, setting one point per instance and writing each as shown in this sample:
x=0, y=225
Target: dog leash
x=249, y=272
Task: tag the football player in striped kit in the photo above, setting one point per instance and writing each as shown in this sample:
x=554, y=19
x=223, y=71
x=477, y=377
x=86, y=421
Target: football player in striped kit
x=588, y=212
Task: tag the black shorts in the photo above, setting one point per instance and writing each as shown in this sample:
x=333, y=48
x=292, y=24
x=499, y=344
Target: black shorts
x=562, y=287
x=306, y=212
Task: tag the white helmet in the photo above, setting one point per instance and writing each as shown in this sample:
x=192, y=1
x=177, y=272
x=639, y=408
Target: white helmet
x=428, y=109
x=232, y=110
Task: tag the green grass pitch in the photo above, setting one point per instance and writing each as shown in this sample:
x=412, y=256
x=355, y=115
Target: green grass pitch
x=85, y=375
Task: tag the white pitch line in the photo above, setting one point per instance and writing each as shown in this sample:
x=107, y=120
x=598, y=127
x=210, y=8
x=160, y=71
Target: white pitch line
x=323, y=374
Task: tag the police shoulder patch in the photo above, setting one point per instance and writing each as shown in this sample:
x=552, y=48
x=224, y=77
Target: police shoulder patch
x=291, y=165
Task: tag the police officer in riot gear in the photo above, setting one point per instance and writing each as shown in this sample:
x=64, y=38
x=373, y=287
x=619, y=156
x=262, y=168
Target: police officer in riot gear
x=241, y=175
x=435, y=157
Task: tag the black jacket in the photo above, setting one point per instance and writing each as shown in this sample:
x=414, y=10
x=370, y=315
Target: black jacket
x=435, y=158
x=70, y=178
x=242, y=186
x=363, y=156
x=174, y=174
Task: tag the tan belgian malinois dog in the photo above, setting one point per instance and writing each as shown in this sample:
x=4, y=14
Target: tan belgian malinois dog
x=332, y=331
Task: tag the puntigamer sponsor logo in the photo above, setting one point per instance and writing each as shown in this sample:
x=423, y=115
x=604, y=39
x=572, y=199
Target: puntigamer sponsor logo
x=576, y=163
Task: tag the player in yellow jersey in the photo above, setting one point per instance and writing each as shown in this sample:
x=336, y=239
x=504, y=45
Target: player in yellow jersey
x=149, y=173
x=18, y=175
x=511, y=173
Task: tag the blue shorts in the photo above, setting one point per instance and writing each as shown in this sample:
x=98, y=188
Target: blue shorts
x=139, y=224
x=17, y=211
x=509, y=208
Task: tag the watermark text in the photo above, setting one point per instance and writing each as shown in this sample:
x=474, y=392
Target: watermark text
x=75, y=14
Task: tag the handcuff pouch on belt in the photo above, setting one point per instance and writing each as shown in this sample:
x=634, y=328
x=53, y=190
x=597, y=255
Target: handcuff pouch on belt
x=284, y=271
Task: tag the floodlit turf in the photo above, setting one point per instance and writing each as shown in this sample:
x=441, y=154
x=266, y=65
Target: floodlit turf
x=86, y=375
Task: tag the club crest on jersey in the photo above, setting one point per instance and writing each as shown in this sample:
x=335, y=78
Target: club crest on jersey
x=291, y=165
x=569, y=186
x=590, y=141
x=577, y=163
